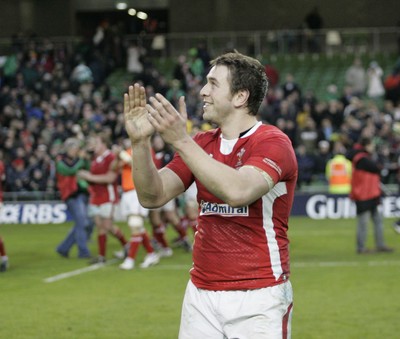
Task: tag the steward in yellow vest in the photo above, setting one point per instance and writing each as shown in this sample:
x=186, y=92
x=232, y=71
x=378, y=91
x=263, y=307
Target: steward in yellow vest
x=338, y=173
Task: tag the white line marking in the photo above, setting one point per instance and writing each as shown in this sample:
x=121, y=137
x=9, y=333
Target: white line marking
x=322, y=264
x=70, y=274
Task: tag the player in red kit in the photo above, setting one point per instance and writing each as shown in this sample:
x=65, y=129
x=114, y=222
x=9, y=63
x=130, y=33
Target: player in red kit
x=245, y=173
x=103, y=193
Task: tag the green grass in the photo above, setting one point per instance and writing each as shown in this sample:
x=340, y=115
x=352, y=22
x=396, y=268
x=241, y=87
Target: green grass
x=338, y=294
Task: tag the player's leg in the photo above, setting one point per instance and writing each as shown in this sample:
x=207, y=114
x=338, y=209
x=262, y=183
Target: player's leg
x=80, y=216
x=260, y=313
x=377, y=219
x=198, y=319
x=362, y=231
x=159, y=229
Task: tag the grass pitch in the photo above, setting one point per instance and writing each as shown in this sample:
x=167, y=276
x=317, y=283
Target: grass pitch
x=338, y=294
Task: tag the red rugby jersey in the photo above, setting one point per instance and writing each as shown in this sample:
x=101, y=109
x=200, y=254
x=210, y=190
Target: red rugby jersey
x=247, y=247
x=103, y=193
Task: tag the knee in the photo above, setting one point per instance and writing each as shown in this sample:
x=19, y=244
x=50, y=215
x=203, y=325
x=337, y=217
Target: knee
x=136, y=224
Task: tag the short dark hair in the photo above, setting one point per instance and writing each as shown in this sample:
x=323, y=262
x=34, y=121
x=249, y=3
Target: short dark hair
x=246, y=73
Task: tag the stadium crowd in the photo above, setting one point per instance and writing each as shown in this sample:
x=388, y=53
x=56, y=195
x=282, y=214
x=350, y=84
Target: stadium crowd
x=50, y=92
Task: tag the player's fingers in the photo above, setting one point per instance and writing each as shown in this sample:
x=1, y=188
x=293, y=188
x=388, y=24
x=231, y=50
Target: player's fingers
x=136, y=95
x=142, y=96
x=166, y=105
x=157, y=106
x=153, y=117
x=182, y=107
x=126, y=103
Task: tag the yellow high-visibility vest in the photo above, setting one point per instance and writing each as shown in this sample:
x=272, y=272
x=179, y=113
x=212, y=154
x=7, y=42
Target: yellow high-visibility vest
x=338, y=173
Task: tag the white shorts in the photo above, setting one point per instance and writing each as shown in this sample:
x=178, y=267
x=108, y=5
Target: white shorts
x=168, y=207
x=191, y=192
x=130, y=205
x=261, y=314
x=104, y=210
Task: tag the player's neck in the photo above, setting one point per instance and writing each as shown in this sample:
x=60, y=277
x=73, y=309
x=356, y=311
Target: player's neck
x=233, y=129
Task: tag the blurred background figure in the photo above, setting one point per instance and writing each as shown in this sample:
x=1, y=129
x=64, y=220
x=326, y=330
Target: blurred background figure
x=356, y=78
x=338, y=171
x=375, y=89
x=313, y=23
x=102, y=179
x=366, y=193
x=134, y=213
x=74, y=191
x=167, y=214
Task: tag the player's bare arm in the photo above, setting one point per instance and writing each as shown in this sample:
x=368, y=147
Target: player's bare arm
x=154, y=187
x=235, y=187
x=107, y=178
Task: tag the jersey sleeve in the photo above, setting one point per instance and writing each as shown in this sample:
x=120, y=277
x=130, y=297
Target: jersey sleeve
x=274, y=154
x=180, y=168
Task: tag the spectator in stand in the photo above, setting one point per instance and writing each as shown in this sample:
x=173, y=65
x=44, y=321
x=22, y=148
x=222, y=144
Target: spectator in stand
x=103, y=193
x=314, y=22
x=134, y=56
x=75, y=193
x=249, y=179
x=17, y=178
x=134, y=213
x=290, y=86
x=174, y=92
x=4, y=264
x=322, y=156
x=392, y=86
x=306, y=164
x=356, y=78
x=272, y=75
x=366, y=193
x=375, y=89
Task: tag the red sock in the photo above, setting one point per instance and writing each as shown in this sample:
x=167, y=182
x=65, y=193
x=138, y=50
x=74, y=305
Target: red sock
x=102, y=240
x=2, y=248
x=159, y=234
x=146, y=243
x=118, y=234
x=181, y=230
x=136, y=240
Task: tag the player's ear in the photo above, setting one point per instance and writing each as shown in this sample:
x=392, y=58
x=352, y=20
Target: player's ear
x=241, y=98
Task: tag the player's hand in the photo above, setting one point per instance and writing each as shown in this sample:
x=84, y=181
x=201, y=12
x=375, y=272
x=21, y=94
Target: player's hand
x=166, y=120
x=137, y=124
x=83, y=174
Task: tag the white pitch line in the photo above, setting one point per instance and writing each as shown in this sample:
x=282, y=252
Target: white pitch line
x=322, y=264
x=79, y=271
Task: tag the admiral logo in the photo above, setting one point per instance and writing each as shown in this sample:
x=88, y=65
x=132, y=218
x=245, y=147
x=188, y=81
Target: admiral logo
x=209, y=208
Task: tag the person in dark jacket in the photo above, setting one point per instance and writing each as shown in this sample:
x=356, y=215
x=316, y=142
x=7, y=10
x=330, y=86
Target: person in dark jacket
x=75, y=194
x=366, y=193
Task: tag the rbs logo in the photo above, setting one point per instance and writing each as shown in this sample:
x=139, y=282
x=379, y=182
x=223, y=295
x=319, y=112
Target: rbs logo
x=33, y=213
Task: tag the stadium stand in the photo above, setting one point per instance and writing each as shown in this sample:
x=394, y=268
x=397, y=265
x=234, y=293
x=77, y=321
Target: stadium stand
x=42, y=104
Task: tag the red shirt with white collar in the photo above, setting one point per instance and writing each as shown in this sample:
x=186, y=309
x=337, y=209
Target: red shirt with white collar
x=243, y=247
x=103, y=193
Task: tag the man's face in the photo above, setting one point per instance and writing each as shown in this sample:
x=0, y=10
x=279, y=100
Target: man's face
x=216, y=95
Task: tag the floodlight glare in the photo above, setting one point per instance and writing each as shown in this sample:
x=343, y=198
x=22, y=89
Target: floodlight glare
x=121, y=5
x=142, y=15
x=132, y=11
